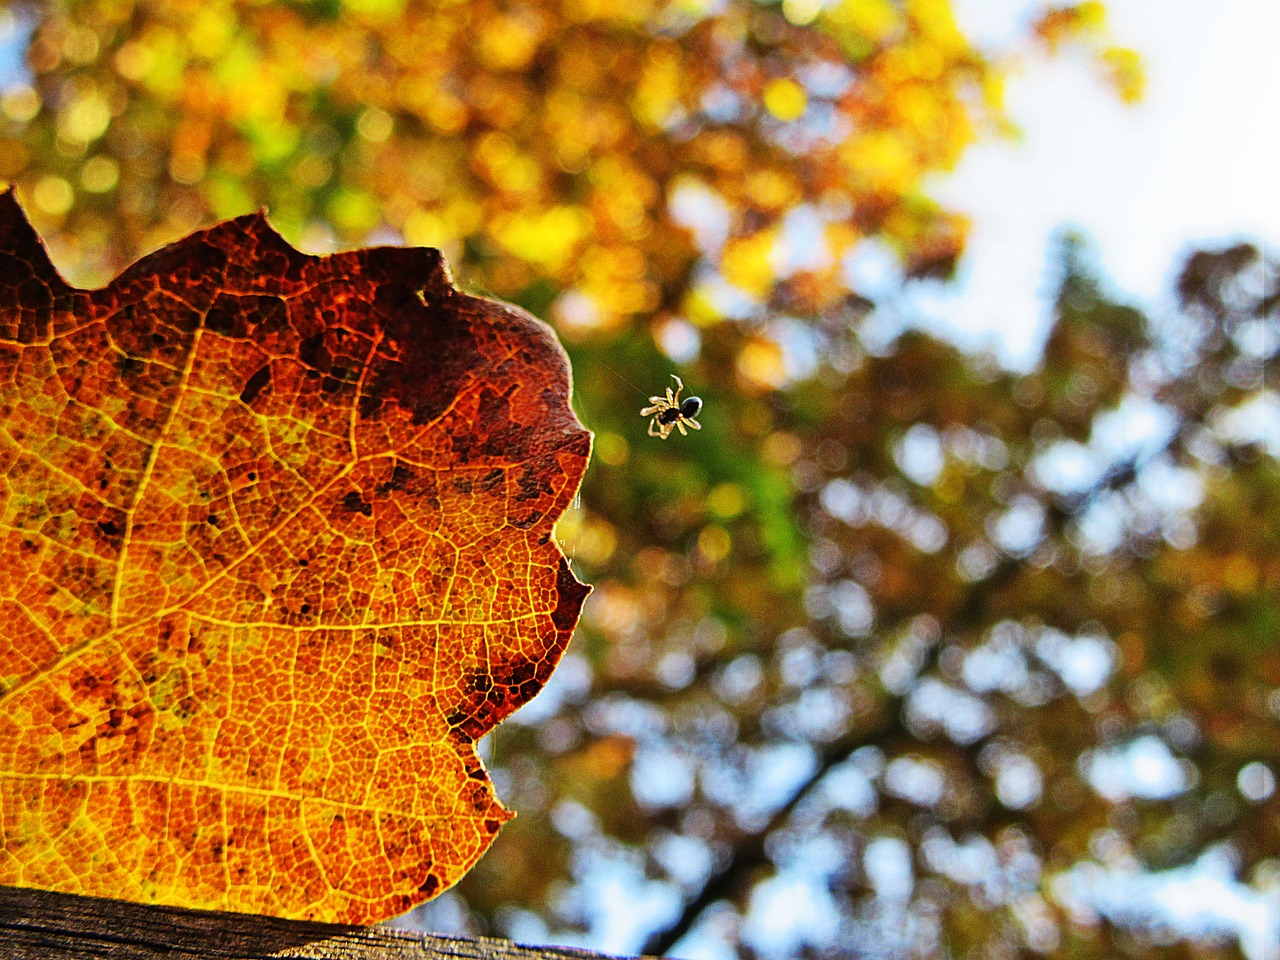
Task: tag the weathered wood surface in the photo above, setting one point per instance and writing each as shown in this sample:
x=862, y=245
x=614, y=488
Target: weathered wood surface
x=36, y=925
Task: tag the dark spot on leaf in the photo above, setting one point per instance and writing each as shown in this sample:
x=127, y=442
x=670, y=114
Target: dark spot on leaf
x=572, y=594
x=311, y=352
x=255, y=384
x=400, y=477
x=241, y=316
x=369, y=406
x=131, y=366
x=430, y=328
x=356, y=504
x=531, y=485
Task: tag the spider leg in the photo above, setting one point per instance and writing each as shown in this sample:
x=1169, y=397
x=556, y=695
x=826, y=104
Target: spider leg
x=675, y=398
x=683, y=431
x=693, y=423
x=653, y=422
x=654, y=409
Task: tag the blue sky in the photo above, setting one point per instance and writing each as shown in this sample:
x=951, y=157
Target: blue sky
x=1196, y=161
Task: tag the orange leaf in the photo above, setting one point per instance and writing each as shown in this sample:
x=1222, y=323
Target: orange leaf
x=277, y=540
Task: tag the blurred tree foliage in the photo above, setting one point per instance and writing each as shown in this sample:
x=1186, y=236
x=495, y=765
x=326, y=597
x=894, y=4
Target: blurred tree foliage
x=903, y=654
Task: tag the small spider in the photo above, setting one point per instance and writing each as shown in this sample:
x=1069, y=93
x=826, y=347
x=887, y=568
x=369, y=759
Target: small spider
x=670, y=411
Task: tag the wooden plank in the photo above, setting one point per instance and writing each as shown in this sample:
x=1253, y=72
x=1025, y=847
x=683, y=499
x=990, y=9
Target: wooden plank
x=38, y=925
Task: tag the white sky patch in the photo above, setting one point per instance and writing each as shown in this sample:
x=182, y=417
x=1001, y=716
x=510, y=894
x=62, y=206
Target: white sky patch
x=848, y=787
x=1256, y=782
x=790, y=910
x=1138, y=428
x=661, y=777
x=1019, y=782
x=1171, y=487
x=872, y=269
x=963, y=717
x=916, y=781
x=887, y=862
x=801, y=245
x=679, y=340
x=998, y=664
x=618, y=903
x=1068, y=467
x=712, y=938
x=1258, y=420
x=695, y=205
x=1203, y=899
x=1084, y=663
x=919, y=454
x=777, y=772
x=14, y=31
x=1144, y=768
x=1020, y=528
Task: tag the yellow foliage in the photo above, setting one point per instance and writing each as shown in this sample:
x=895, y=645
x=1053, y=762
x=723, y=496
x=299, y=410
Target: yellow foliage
x=1123, y=69
x=714, y=543
x=748, y=261
x=86, y=118
x=801, y=12
x=700, y=307
x=770, y=189
x=211, y=30
x=724, y=149
x=760, y=366
x=379, y=9
x=611, y=449
x=658, y=92
x=634, y=11
x=548, y=237
x=1059, y=25
x=881, y=162
x=875, y=20
x=936, y=23
x=427, y=228
x=53, y=195
x=785, y=99
x=726, y=500
x=509, y=42
x=498, y=158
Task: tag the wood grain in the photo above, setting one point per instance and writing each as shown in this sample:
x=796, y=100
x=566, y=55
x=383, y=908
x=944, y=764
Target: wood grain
x=38, y=925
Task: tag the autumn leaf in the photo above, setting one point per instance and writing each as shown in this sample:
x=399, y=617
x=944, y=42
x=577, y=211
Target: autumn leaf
x=278, y=550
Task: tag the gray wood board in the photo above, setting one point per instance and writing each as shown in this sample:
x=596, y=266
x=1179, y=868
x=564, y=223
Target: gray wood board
x=58, y=926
